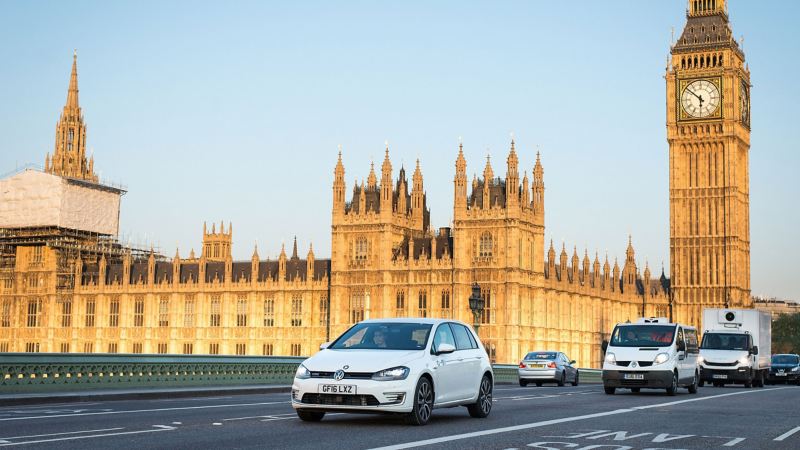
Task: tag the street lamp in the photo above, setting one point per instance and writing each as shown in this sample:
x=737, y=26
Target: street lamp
x=476, y=303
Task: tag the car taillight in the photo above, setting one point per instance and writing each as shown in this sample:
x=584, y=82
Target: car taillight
x=521, y=365
x=551, y=365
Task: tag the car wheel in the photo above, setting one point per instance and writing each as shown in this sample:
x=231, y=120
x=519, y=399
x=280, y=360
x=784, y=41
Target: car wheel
x=673, y=388
x=635, y=390
x=523, y=383
x=609, y=390
x=563, y=379
x=310, y=416
x=423, y=403
x=483, y=406
x=538, y=384
x=575, y=383
x=693, y=386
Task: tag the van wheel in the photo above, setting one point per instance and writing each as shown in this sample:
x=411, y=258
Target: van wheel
x=673, y=389
x=701, y=383
x=635, y=390
x=310, y=416
x=693, y=386
x=483, y=406
x=748, y=383
x=538, y=384
x=609, y=390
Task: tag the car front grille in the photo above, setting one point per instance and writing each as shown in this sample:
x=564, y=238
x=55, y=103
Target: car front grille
x=632, y=382
x=347, y=375
x=640, y=363
x=721, y=364
x=341, y=400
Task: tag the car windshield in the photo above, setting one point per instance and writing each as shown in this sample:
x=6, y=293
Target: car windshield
x=541, y=355
x=786, y=359
x=643, y=335
x=724, y=341
x=384, y=336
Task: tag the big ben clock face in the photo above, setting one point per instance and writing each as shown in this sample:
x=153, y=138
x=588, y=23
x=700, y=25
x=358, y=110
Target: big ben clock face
x=700, y=99
x=744, y=102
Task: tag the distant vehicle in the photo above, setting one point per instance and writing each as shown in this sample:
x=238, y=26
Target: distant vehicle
x=651, y=353
x=785, y=368
x=736, y=347
x=547, y=367
x=404, y=366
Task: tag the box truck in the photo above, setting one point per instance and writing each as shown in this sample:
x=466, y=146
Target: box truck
x=736, y=347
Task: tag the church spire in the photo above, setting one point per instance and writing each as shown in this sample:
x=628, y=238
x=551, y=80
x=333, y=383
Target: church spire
x=72, y=93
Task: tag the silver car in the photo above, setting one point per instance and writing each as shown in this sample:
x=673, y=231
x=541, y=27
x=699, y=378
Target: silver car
x=547, y=367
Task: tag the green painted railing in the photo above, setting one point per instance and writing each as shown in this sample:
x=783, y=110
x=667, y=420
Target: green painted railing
x=50, y=372
x=42, y=372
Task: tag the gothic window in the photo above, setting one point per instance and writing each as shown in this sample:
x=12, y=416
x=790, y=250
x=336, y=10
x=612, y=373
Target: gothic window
x=90, y=310
x=163, y=348
x=188, y=348
x=5, y=314
x=488, y=307
x=422, y=304
x=113, y=312
x=447, y=311
x=216, y=313
x=357, y=306
x=323, y=310
x=37, y=256
x=213, y=348
x=113, y=347
x=88, y=347
x=361, y=249
x=32, y=347
x=66, y=313
x=267, y=349
x=486, y=245
x=138, y=311
x=163, y=312
x=241, y=349
x=34, y=311
x=137, y=347
x=64, y=347
x=189, y=312
x=400, y=304
x=241, y=311
x=297, y=311
x=296, y=349
x=269, y=312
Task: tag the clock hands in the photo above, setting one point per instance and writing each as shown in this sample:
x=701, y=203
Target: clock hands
x=699, y=97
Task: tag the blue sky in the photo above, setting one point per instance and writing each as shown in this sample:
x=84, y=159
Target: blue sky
x=211, y=111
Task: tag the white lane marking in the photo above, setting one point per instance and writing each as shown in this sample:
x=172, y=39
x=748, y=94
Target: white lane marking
x=72, y=438
x=53, y=405
x=787, y=434
x=133, y=411
x=733, y=442
x=216, y=423
x=59, y=434
x=177, y=423
x=456, y=437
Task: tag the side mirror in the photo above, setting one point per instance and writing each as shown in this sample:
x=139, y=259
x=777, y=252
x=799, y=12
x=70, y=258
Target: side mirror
x=604, y=345
x=324, y=345
x=445, y=348
x=572, y=362
x=754, y=350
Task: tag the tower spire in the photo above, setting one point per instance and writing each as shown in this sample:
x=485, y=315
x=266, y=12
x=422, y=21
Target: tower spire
x=72, y=93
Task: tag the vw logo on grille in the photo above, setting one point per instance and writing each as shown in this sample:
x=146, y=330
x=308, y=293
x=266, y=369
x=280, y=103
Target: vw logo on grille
x=338, y=375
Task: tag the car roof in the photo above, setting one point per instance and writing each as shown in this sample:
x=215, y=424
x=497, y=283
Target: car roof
x=543, y=351
x=432, y=321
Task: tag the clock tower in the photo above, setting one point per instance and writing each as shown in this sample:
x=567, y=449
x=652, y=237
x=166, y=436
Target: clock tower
x=708, y=131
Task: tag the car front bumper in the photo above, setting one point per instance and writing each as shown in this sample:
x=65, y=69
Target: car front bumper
x=650, y=379
x=786, y=376
x=370, y=395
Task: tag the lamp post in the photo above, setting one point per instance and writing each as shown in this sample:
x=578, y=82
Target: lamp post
x=476, y=303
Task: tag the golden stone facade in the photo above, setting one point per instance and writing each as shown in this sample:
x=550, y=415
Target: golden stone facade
x=708, y=130
x=68, y=291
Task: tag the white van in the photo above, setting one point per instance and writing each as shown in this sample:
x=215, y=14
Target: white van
x=653, y=354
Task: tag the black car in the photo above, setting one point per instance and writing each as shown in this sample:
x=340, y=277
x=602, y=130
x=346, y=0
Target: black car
x=785, y=368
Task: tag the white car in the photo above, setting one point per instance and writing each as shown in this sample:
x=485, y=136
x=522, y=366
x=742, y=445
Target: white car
x=405, y=366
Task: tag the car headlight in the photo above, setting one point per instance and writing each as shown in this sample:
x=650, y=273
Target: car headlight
x=395, y=373
x=795, y=369
x=611, y=358
x=661, y=358
x=302, y=373
x=700, y=359
x=744, y=360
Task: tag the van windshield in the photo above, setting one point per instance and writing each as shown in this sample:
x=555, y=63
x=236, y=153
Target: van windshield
x=724, y=341
x=643, y=335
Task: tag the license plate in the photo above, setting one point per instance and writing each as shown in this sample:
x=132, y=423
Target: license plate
x=720, y=376
x=634, y=376
x=780, y=374
x=337, y=389
x=536, y=366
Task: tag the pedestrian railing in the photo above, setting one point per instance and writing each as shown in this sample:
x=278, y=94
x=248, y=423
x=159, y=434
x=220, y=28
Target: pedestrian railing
x=50, y=372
